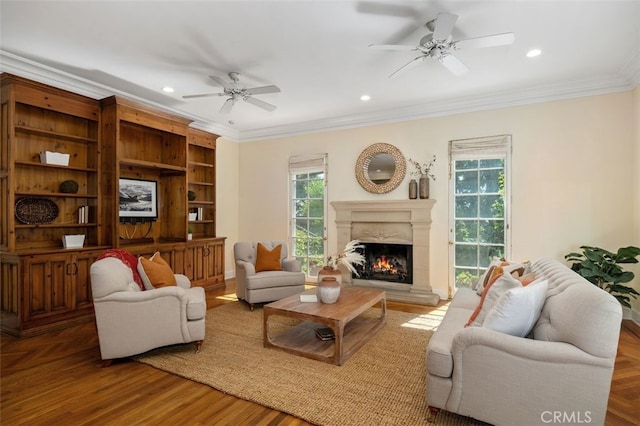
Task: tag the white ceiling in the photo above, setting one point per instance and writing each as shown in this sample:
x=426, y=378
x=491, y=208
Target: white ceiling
x=317, y=53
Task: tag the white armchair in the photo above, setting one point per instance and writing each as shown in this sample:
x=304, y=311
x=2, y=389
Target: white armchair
x=130, y=321
x=265, y=286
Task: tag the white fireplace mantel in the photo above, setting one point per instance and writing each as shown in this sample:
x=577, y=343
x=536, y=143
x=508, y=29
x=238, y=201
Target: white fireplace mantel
x=395, y=222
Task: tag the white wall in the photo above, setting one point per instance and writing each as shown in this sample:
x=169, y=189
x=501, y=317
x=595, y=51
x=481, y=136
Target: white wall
x=228, y=189
x=572, y=164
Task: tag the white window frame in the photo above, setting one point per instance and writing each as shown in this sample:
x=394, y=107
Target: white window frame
x=312, y=163
x=499, y=146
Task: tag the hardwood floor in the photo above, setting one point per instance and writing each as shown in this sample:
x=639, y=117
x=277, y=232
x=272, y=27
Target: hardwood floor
x=57, y=378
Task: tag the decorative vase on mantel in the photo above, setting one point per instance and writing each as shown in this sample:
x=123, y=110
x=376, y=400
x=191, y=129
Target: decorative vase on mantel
x=423, y=185
x=413, y=189
x=328, y=289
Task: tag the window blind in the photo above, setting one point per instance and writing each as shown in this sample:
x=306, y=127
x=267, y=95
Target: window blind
x=307, y=163
x=486, y=147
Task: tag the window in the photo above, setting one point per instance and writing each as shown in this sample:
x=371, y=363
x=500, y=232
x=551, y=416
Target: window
x=308, y=207
x=479, y=194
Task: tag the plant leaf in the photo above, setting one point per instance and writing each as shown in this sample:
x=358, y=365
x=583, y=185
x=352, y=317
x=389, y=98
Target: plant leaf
x=601, y=267
x=628, y=254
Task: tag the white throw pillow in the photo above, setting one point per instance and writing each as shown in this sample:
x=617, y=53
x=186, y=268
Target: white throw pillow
x=503, y=284
x=517, y=310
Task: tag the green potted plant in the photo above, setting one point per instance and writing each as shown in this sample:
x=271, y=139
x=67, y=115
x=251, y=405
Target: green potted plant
x=602, y=268
x=189, y=233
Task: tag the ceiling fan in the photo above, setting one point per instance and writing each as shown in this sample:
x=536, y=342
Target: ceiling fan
x=236, y=92
x=440, y=45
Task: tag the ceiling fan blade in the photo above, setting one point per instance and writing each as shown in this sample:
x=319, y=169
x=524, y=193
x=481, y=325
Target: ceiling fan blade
x=453, y=64
x=392, y=47
x=444, y=26
x=257, y=102
x=408, y=66
x=221, y=81
x=485, y=41
x=203, y=95
x=226, y=107
x=262, y=90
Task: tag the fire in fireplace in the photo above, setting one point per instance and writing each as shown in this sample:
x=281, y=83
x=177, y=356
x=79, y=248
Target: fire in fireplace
x=386, y=262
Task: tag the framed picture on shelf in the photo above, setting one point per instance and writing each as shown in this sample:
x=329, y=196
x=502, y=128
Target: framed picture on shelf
x=138, y=200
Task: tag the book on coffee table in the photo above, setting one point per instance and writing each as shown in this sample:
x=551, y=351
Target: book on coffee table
x=325, y=333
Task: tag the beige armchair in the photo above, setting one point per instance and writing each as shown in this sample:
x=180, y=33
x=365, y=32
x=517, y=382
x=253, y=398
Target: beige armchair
x=265, y=286
x=131, y=321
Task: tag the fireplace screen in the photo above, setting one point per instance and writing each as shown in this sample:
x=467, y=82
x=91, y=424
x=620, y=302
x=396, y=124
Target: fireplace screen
x=387, y=262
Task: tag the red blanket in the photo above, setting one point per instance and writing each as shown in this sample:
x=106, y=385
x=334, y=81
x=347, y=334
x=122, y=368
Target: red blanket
x=128, y=259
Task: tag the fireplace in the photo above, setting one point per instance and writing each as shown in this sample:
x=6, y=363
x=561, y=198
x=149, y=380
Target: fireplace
x=386, y=262
x=384, y=225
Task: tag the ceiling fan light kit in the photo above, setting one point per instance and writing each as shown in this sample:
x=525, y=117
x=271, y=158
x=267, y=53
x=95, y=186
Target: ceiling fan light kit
x=236, y=93
x=439, y=44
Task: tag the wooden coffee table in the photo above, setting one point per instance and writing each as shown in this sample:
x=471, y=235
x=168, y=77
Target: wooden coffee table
x=351, y=329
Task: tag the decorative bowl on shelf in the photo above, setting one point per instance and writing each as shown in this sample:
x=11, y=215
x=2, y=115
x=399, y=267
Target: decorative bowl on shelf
x=35, y=210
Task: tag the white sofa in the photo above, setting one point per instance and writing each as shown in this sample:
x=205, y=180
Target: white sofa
x=560, y=372
x=130, y=321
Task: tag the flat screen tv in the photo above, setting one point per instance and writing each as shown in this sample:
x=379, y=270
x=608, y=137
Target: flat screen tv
x=138, y=200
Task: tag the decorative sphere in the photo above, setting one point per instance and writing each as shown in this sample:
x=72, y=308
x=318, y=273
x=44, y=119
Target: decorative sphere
x=191, y=195
x=69, y=187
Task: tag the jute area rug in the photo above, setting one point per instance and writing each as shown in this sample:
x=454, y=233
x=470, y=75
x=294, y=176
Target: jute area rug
x=381, y=384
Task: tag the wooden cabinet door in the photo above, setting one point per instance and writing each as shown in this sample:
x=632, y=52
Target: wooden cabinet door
x=195, y=261
x=48, y=286
x=214, y=261
x=81, y=282
x=205, y=263
x=179, y=259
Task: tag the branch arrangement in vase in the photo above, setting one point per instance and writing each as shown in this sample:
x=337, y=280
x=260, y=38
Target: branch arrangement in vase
x=424, y=169
x=349, y=257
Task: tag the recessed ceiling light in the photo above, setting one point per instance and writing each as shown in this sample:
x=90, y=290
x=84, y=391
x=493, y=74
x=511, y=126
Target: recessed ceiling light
x=365, y=97
x=167, y=89
x=533, y=53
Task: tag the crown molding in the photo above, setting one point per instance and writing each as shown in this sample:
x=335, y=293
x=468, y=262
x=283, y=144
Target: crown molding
x=627, y=78
x=504, y=99
x=632, y=69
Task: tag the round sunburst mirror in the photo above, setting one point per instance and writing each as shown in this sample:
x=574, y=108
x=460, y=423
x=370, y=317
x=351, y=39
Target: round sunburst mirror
x=380, y=168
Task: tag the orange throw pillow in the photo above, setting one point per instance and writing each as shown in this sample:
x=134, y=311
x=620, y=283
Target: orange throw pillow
x=158, y=271
x=495, y=274
x=268, y=260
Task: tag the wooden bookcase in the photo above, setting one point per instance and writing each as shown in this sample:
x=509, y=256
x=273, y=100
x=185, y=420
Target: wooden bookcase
x=36, y=119
x=148, y=144
x=42, y=284
x=202, y=179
